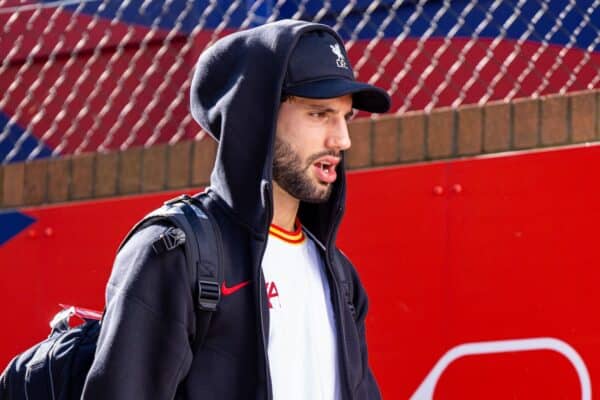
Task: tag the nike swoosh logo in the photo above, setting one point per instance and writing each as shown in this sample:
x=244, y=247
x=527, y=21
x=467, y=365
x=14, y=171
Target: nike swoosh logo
x=226, y=291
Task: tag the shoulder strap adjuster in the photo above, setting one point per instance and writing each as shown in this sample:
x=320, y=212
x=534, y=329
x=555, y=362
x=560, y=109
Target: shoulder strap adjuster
x=209, y=294
x=183, y=197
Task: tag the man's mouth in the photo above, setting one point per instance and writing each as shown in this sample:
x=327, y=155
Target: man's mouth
x=325, y=169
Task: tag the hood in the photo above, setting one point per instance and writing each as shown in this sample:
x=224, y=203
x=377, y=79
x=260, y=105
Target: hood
x=235, y=97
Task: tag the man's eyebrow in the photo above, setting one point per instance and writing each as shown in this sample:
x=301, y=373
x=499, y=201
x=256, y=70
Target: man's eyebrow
x=322, y=108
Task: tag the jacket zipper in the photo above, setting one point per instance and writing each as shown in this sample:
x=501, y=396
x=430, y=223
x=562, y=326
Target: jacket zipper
x=261, y=290
x=335, y=287
x=262, y=329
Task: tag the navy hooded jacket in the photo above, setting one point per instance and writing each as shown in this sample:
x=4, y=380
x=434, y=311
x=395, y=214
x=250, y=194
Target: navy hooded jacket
x=144, y=349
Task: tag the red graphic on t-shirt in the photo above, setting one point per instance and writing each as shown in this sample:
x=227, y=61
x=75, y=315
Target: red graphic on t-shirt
x=273, y=295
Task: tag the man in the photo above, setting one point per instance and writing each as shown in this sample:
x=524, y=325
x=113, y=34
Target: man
x=291, y=319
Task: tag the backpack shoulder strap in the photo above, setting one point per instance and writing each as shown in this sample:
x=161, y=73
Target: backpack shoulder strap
x=210, y=253
x=193, y=227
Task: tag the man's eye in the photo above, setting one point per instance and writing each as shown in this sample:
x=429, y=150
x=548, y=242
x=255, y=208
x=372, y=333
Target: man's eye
x=319, y=114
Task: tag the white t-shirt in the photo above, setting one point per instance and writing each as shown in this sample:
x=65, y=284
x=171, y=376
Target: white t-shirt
x=302, y=335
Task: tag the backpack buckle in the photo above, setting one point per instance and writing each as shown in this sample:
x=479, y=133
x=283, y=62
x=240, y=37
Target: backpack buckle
x=209, y=294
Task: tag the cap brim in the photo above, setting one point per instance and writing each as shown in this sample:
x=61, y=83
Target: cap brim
x=364, y=96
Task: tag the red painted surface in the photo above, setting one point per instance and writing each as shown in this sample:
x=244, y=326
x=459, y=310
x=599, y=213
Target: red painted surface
x=512, y=255
x=504, y=248
x=70, y=266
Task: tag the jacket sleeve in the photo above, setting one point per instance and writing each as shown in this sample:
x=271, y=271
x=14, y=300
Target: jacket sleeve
x=361, y=303
x=143, y=351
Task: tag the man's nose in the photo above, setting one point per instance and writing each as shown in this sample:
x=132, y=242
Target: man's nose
x=339, y=137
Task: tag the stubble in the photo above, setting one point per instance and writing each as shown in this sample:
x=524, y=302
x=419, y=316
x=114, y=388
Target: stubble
x=292, y=175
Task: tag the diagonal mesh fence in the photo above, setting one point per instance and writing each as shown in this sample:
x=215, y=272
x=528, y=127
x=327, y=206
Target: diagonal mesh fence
x=101, y=75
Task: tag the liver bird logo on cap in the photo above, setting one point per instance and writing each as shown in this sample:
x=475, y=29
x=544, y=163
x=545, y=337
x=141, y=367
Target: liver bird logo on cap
x=341, y=60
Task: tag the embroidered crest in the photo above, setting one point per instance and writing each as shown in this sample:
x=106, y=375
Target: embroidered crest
x=341, y=60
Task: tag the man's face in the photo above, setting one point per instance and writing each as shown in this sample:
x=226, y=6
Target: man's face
x=311, y=134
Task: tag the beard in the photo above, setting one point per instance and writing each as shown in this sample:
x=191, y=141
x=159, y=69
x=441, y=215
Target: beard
x=292, y=175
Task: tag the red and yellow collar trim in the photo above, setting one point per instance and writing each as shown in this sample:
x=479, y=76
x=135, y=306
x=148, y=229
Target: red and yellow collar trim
x=295, y=237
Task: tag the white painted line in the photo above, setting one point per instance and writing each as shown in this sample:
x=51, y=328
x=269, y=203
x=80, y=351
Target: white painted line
x=426, y=389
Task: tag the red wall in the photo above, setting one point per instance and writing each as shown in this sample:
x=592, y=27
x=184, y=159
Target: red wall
x=482, y=251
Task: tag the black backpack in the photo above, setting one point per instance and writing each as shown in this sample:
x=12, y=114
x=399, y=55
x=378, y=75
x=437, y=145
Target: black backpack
x=56, y=368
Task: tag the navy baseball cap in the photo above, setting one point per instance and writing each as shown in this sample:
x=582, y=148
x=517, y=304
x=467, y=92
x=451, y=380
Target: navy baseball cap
x=319, y=68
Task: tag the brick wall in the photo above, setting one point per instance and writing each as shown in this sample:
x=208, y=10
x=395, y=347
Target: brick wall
x=388, y=140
